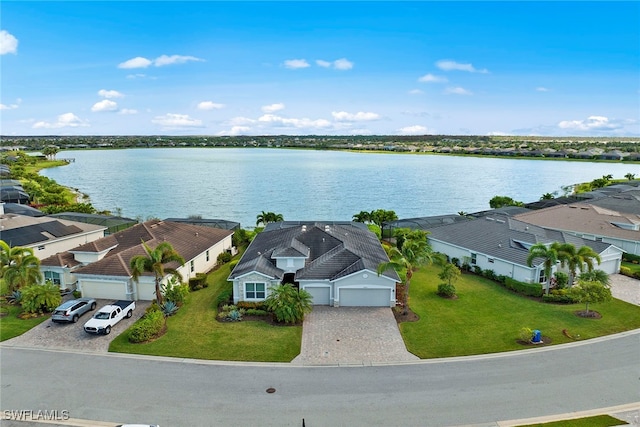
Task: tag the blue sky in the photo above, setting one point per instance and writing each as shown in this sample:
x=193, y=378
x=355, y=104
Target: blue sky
x=324, y=68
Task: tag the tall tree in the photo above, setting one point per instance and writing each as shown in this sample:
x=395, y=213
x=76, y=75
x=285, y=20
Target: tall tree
x=501, y=201
x=549, y=255
x=416, y=252
x=630, y=176
x=590, y=292
x=19, y=267
x=155, y=262
x=50, y=151
x=266, y=217
x=362, y=216
x=577, y=259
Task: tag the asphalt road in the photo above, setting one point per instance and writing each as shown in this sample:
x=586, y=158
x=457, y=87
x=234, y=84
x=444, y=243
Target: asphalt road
x=460, y=391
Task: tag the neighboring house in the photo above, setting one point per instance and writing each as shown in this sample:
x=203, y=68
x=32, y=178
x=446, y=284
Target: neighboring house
x=335, y=262
x=101, y=269
x=501, y=244
x=590, y=222
x=46, y=236
x=627, y=202
x=112, y=223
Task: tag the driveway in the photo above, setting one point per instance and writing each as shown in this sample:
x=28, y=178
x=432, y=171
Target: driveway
x=71, y=336
x=351, y=336
x=625, y=288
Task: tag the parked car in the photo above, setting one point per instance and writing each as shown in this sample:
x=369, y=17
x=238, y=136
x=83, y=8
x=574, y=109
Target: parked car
x=71, y=310
x=108, y=316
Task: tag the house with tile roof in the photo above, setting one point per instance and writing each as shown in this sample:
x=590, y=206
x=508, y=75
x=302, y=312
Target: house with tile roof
x=45, y=235
x=335, y=262
x=100, y=269
x=501, y=243
x=591, y=222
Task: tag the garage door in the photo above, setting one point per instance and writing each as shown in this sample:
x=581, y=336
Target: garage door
x=320, y=294
x=146, y=291
x=103, y=290
x=365, y=297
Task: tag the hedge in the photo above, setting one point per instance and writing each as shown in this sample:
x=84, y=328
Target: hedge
x=631, y=258
x=147, y=328
x=529, y=289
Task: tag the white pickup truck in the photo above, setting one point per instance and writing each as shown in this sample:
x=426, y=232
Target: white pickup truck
x=108, y=316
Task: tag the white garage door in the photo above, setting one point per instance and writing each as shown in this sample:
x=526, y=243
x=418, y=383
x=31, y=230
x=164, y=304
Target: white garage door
x=103, y=290
x=320, y=294
x=365, y=297
x=609, y=267
x=146, y=291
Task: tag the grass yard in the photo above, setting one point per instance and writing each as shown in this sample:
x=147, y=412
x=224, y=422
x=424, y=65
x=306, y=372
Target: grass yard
x=635, y=268
x=487, y=318
x=597, y=421
x=195, y=333
x=11, y=326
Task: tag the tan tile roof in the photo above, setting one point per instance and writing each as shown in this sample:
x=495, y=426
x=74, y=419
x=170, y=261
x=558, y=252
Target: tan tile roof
x=188, y=240
x=584, y=218
x=62, y=259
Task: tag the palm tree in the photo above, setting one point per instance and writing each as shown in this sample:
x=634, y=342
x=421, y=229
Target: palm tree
x=19, y=267
x=362, y=216
x=50, y=151
x=416, y=252
x=595, y=276
x=549, y=254
x=577, y=259
x=154, y=262
x=266, y=217
x=630, y=176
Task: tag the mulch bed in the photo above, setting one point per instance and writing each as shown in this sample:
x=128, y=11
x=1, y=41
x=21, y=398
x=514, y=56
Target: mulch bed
x=590, y=315
x=545, y=341
x=400, y=317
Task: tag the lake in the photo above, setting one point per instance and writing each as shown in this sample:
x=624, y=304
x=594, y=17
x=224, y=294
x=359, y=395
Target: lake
x=236, y=184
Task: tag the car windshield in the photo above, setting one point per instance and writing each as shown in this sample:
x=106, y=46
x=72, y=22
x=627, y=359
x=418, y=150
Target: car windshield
x=101, y=315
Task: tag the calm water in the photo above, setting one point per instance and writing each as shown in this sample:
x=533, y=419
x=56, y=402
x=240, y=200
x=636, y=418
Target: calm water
x=236, y=184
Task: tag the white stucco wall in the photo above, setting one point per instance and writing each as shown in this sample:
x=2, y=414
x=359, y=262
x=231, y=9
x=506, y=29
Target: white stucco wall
x=44, y=250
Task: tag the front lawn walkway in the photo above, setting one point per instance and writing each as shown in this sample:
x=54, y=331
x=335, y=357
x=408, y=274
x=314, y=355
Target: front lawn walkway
x=195, y=333
x=487, y=318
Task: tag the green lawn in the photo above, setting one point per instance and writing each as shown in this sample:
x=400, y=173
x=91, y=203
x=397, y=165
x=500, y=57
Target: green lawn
x=635, y=268
x=195, y=333
x=487, y=318
x=11, y=326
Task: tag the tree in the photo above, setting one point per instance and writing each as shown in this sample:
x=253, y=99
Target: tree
x=19, y=267
x=577, y=259
x=50, y=151
x=154, y=262
x=380, y=216
x=501, y=201
x=595, y=276
x=362, y=216
x=590, y=291
x=40, y=298
x=450, y=273
x=288, y=304
x=547, y=196
x=266, y=217
x=416, y=252
x=630, y=176
x=549, y=254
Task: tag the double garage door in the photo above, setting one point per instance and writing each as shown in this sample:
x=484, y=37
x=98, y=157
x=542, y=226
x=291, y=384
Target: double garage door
x=365, y=297
x=103, y=290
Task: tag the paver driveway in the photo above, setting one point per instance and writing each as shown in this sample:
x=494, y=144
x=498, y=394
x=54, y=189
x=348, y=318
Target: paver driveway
x=351, y=336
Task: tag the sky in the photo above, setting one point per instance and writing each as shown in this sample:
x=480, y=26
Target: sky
x=320, y=68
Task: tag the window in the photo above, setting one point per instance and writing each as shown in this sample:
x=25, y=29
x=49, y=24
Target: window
x=254, y=291
x=473, y=259
x=53, y=276
x=41, y=247
x=490, y=260
x=192, y=266
x=542, y=278
x=207, y=254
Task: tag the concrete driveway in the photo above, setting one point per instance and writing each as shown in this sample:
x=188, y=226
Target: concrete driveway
x=625, y=288
x=71, y=336
x=351, y=336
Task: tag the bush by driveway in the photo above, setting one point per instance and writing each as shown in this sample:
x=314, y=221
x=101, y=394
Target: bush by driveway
x=71, y=336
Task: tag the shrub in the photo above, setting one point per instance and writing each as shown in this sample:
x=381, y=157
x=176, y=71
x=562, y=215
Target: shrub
x=455, y=261
x=501, y=279
x=626, y=271
x=169, y=308
x=446, y=290
x=258, y=305
x=225, y=297
x=477, y=270
x=175, y=292
x=40, y=298
x=631, y=258
x=466, y=266
x=288, y=304
x=148, y=327
x=256, y=312
x=562, y=280
x=224, y=257
x=529, y=289
x=489, y=274
x=76, y=294
x=526, y=334
x=231, y=313
x=15, y=297
x=198, y=282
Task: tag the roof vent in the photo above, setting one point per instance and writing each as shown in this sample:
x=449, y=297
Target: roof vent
x=326, y=228
x=490, y=219
x=304, y=228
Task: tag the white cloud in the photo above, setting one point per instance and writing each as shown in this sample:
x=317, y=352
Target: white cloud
x=176, y=121
x=295, y=64
x=294, y=123
x=8, y=107
x=457, y=90
x=592, y=123
x=104, y=105
x=448, y=65
x=136, y=76
x=235, y=131
x=141, y=62
x=174, y=59
x=542, y=89
x=127, y=111
x=430, y=78
x=137, y=62
x=338, y=64
x=413, y=130
x=8, y=43
x=110, y=93
x=498, y=133
x=343, y=116
x=415, y=92
x=273, y=107
x=64, y=120
x=209, y=105
x=240, y=121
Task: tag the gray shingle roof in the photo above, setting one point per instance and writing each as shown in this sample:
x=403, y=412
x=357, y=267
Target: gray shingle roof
x=333, y=250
